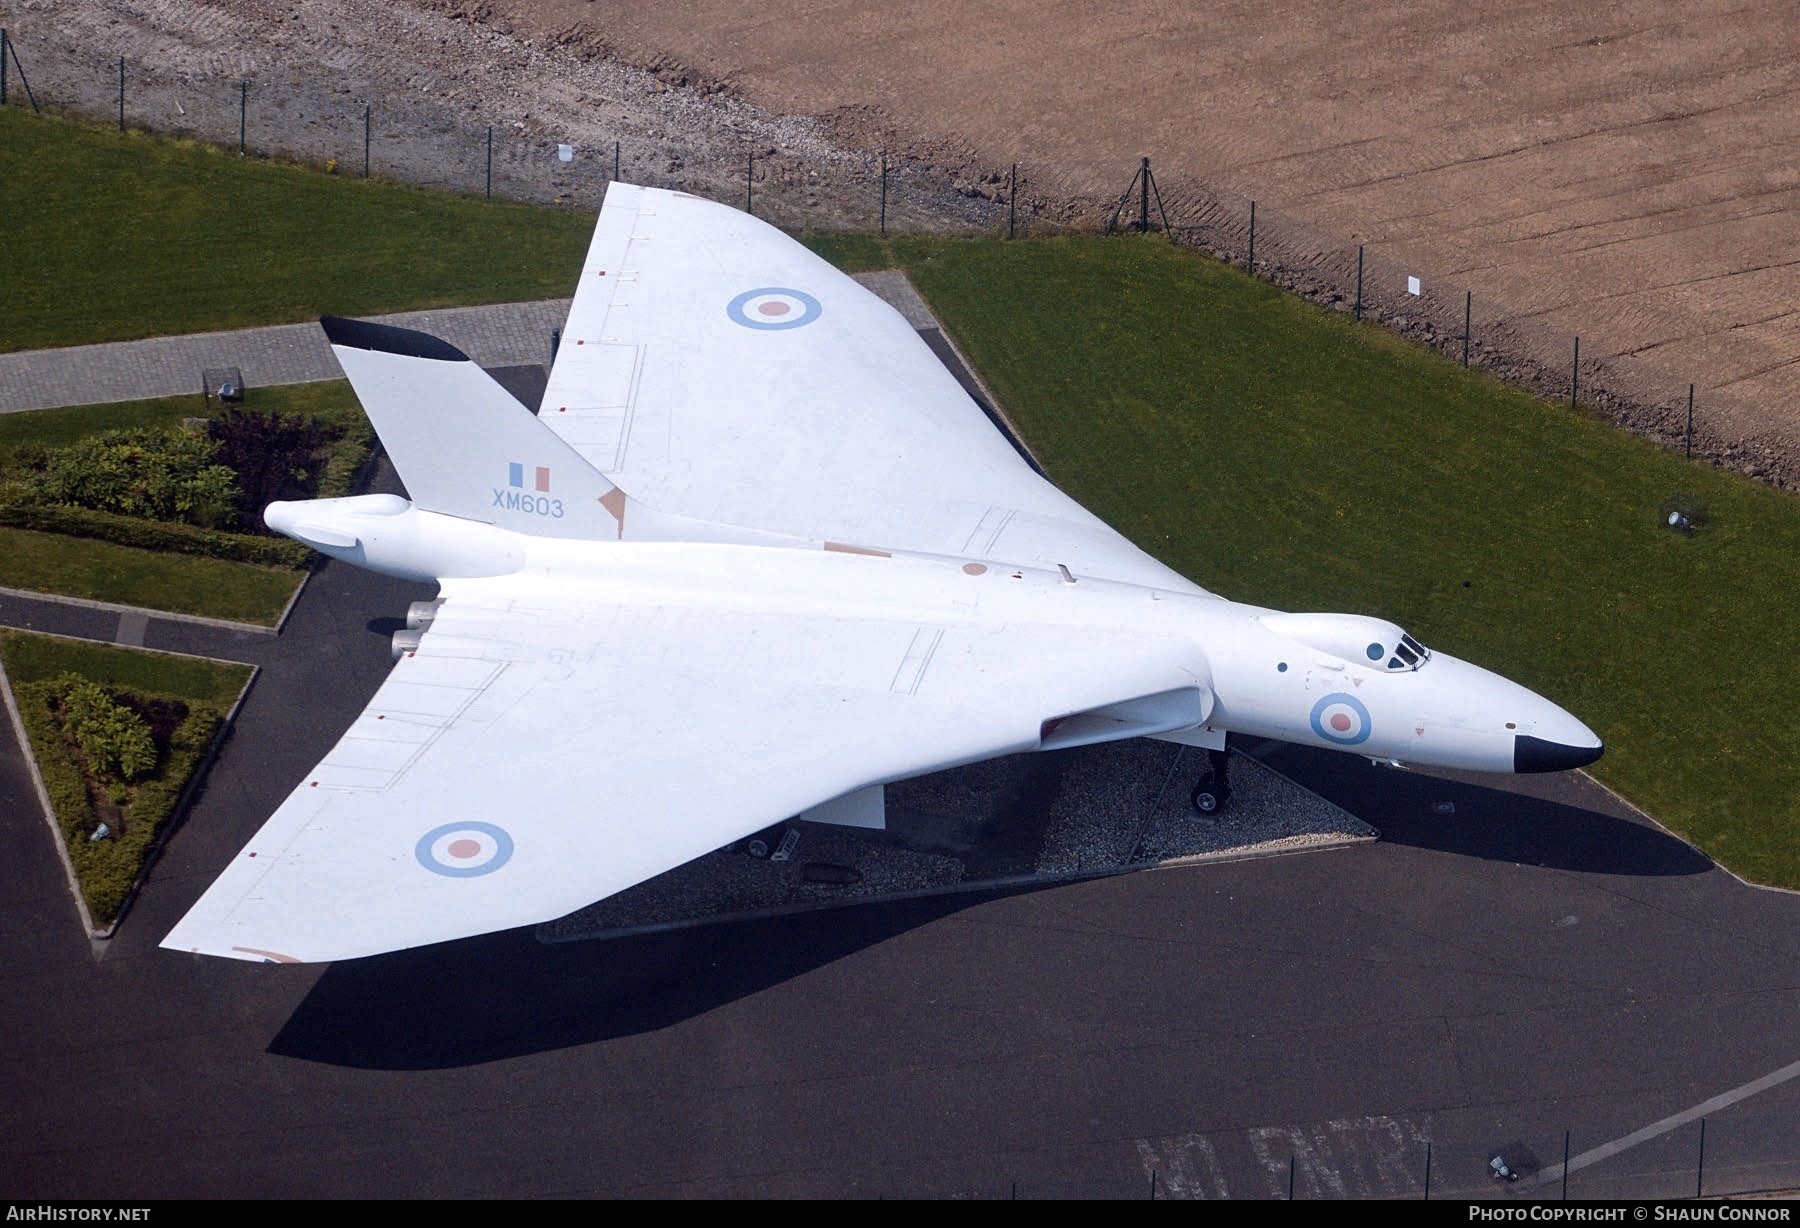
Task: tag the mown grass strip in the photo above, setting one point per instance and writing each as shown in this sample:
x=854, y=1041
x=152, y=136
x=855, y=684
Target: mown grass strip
x=31, y=657
x=55, y=428
x=125, y=575
x=1283, y=455
x=113, y=237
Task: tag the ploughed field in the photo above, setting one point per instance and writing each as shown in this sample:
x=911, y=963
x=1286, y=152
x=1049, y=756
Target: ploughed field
x=1623, y=170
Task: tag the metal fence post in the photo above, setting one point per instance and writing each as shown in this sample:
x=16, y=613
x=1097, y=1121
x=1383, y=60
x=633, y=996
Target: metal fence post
x=1153, y=1185
x=366, y=112
x=1359, y=255
x=1144, y=198
x=7, y=46
x=1250, y=264
x=490, y=163
x=243, y=113
x=615, y=162
x=1468, y=308
x=749, y=181
x=555, y=344
x=1565, y=1171
x=1690, y=426
x=1012, y=200
x=1700, y=1169
x=121, y=93
x=1290, y=1178
x=1427, y=1172
x=884, y=195
x=1575, y=373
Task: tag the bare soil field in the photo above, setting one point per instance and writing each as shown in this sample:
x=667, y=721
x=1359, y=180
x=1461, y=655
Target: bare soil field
x=1621, y=171
x=423, y=88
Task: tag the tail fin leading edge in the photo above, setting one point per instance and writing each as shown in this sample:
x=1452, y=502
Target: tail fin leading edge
x=462, y=444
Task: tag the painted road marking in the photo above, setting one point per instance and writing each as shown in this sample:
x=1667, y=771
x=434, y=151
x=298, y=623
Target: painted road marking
x=131, y=630
x=1354, y=1157
x=1657, y=1129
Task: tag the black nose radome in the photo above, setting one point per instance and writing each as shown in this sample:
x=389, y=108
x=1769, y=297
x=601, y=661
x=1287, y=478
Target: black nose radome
x=1537, y=755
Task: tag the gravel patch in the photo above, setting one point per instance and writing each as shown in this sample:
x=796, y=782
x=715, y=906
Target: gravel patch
x=1095, y=810
x=1267, y=813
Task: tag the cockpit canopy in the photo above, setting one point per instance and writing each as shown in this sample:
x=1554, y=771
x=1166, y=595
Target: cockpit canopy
x=1372, y=642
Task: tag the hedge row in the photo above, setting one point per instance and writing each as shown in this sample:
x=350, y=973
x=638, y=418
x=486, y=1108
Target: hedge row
x=106, y=869
x=156, y=534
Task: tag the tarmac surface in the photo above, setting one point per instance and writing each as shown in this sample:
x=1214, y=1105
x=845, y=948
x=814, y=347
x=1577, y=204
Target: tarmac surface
x=1540, y=959
x=1210, y=1021
x=1515, y=958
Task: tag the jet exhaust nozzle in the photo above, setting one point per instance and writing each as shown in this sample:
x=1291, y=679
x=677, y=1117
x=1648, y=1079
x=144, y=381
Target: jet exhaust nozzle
x=419, y=614
x=405, y=642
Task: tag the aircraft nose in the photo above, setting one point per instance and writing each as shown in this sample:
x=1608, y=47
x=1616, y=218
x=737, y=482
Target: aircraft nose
x=1543, y=755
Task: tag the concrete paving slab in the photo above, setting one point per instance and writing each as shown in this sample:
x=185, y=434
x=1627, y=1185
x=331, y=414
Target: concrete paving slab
x=500, y=335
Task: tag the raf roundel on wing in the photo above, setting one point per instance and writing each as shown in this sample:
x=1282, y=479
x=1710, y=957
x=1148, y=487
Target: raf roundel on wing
x=773, y=308
x=464, y=850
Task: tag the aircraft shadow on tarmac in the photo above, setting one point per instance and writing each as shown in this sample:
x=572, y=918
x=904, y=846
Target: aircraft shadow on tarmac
x=507, y=995
x=1496, y=824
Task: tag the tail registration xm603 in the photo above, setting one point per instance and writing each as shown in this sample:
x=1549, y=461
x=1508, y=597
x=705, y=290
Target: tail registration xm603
x=758, y=554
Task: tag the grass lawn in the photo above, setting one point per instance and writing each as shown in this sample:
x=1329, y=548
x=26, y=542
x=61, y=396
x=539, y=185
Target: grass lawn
x=1283, y=455
x=153, y=579
x=53, y=428
x=182, y=700
x=38, y=658
x=110, y=237
x=850, y=251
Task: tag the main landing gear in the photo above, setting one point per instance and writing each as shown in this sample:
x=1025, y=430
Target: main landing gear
x=1214, y=789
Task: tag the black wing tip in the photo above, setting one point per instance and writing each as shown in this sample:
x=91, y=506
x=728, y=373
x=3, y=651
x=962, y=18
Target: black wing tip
x=386, y=339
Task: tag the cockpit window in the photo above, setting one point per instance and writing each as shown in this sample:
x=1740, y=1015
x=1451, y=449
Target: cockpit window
x=1408, y=654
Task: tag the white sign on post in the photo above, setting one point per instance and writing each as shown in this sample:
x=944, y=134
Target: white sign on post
x=1412, y=283
x=565, y=153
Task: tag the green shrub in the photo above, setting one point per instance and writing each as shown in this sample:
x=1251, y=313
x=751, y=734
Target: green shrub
x=157, y=473
x=115, y=739
x=348, y=456
x=108, y=869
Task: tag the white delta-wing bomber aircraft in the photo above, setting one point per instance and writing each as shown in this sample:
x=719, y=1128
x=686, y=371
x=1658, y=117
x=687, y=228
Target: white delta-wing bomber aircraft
x=758, y=554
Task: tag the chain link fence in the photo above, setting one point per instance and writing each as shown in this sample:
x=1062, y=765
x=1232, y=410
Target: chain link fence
x=306, y=115
x=1515, y=347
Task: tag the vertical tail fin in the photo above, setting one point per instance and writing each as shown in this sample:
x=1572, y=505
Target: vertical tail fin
x=462, y=444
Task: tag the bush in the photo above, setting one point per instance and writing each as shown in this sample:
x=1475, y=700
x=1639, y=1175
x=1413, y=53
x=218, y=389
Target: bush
x=156, y=535
x=108, y=869
x=160, y=474
x=115, y=739
x=275, y=456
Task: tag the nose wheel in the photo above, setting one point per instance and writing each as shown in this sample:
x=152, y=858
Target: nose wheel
x=1214, y=790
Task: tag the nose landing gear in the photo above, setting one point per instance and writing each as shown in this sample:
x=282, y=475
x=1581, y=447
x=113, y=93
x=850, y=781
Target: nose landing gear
x=1214, y=789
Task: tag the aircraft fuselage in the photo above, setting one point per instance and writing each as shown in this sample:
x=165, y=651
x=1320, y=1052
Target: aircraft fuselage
x=1342, y=682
